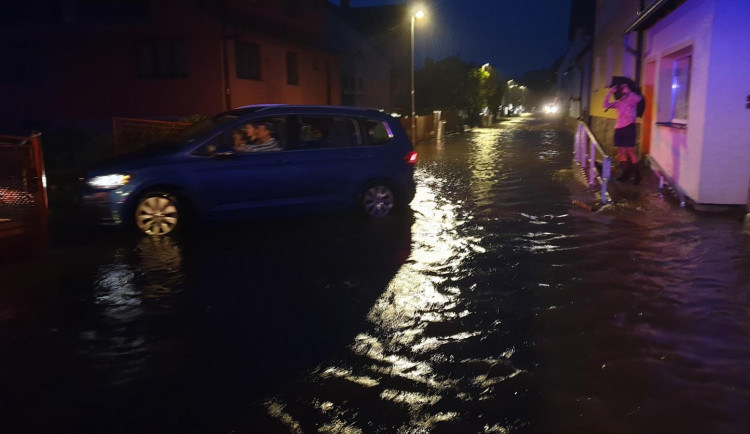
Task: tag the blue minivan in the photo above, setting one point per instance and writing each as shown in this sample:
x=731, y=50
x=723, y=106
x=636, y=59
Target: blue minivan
x=259, y=160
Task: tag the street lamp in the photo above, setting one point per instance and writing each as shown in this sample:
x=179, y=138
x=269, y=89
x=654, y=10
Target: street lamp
x=417, y=14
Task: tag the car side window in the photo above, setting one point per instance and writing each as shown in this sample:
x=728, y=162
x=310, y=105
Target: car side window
x=221, y=143
x=266, y=134
x=378, y=132
x=325, y=132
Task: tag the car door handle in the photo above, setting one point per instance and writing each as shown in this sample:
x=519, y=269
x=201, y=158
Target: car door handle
x=224, y=155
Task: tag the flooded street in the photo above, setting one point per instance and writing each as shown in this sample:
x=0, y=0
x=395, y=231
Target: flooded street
x=495, y=305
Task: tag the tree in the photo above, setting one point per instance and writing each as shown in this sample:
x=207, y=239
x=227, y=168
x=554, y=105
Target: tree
x=450, y=84
x=485, y=91
x=541, y=84
x=495, y=97
x=476, y=94
x=441, y=85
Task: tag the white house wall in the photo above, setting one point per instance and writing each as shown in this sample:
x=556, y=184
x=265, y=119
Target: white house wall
x=726, y=141
x=610, y=52
x=678, y=151
x=572, y=75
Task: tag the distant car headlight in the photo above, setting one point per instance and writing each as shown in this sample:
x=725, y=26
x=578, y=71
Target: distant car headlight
x=108, y=181
x=550, y=108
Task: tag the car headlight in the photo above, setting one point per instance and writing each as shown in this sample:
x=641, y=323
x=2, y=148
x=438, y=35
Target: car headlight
x=108, y=181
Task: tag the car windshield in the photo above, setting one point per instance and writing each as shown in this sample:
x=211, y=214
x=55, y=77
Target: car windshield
x=201, y=128
x=194, y=132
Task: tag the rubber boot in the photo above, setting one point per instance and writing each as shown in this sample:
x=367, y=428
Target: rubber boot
x=624, y=171
x=637, y=172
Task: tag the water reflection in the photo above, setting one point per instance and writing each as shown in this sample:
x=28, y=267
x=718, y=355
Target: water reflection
x=283, y=295
x=154, y=326
x=151, y=270
x=497, y=306
x=135, y=276
x=519, y=312
x=424, y=334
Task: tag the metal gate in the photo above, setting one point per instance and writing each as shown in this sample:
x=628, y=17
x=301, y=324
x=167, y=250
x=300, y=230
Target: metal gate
x=23, y=192
x=132, y=134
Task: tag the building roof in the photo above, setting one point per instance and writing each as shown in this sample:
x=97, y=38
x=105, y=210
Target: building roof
x=654, y=12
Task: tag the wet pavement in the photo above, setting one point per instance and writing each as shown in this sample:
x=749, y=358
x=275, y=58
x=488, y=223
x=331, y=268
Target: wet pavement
x=500, y=303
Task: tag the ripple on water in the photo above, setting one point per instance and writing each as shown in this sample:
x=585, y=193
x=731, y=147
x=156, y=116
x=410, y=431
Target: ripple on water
x=516, y=312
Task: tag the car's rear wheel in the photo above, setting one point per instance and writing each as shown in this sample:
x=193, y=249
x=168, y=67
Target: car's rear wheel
x=157, y=213
x=377, y=200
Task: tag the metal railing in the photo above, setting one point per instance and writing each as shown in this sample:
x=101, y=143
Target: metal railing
x=587, y=148
x=131, y=134
x=23, y=187
x=665, y=179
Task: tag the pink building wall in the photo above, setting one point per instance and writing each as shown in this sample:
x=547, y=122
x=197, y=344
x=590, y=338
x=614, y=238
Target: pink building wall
x=92, y=74
x=709, y=158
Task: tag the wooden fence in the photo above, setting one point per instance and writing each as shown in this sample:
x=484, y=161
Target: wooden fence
x=427, y=126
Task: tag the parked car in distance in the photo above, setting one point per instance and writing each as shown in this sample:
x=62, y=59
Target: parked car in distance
x=321, y=158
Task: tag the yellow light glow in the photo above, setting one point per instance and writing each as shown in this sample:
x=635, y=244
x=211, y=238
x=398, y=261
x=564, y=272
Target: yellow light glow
x=419, y=14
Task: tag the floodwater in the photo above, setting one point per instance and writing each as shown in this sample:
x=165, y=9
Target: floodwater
x=497, y=305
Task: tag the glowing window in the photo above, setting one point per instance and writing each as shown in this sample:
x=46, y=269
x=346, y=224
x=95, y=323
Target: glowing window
x=680, y=89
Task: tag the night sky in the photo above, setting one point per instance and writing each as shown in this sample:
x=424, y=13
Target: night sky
x=515, y=36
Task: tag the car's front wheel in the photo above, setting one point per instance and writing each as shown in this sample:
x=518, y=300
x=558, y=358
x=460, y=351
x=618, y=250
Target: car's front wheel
x=378, y=200
x=157, y=213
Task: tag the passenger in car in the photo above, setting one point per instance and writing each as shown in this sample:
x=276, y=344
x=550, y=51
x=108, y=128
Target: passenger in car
x=339, y=135
x=238, y=140
x=266, y=141
x=251, y=136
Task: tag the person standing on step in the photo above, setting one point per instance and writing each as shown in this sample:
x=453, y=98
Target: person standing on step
x=626, y=102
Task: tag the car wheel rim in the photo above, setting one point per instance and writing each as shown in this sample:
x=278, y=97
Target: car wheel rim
x=378, y=201
x=156, y=215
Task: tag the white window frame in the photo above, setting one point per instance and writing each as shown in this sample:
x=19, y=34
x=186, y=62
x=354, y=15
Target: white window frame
x=674, y=94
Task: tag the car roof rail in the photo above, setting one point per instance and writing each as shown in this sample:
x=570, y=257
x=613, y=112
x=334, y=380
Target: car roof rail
x=254, y=108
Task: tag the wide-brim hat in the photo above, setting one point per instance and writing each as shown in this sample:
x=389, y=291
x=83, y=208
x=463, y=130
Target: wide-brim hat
x=618, y=80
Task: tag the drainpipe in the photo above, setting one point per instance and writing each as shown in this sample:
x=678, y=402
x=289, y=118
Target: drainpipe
x=225, y=79
x=225, y=67
x=639, y=49
x=581, y=90
x=328, y=82
x=588, y=65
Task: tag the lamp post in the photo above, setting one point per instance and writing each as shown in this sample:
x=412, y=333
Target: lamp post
x=418, y=14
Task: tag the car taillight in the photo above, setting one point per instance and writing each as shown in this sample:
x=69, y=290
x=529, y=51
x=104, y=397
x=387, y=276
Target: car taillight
x=411, y=157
